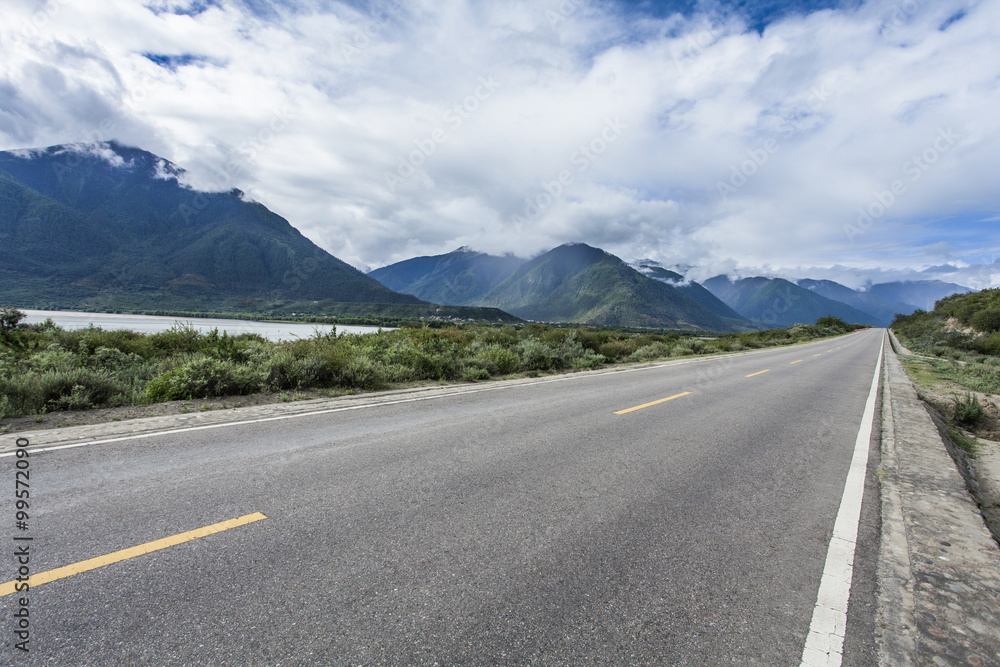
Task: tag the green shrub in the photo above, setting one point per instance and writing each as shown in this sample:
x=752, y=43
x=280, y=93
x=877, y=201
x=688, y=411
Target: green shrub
x=835, y=323
x=204, y=377
x=10, y=318
x=494, y=359
x=53, y=358
x=6, y=407
x=657, y=350
x=360, y=372
x=282, y=371
x=987, y=320
x=535, y=355
x=177, y=339
x=474, y=374
x=617, y=349
x=968, y=410
x=989, y=345
x=696, y=345
x=74, y=389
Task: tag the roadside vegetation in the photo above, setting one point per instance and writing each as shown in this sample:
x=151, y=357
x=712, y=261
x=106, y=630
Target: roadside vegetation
x=959, y=340
x=956, y=368
x=956, y=361
x=44, y=368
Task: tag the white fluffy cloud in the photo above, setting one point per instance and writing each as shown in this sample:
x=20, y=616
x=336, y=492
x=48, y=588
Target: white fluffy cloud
x=854, y=139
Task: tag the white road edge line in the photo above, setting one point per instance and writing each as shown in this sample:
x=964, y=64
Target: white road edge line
x=825, y=643
x=187, y=429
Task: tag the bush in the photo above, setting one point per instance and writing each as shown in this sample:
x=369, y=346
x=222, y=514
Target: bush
x=73, y=389
x=535, y=355
x=360, y=372
x=988, y=345
x=987, y=321
x=494, y=359
x=474, y=374
x=835, y=323
x=10, y=318
x=696, y=345
x=204, y=377
x=968, y=410
x=282, y=371
x=657, y=350
x=617, y=349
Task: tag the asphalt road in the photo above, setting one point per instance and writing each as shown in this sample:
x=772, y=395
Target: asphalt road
x=523, y=524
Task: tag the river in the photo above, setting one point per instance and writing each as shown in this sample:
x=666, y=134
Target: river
x=154, y=323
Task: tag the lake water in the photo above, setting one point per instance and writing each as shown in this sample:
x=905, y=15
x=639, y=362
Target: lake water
x=154, y=323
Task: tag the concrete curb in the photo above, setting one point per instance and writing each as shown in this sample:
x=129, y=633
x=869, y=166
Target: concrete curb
x=939, y=567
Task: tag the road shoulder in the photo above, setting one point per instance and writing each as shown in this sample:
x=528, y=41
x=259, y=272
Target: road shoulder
x=939, y=567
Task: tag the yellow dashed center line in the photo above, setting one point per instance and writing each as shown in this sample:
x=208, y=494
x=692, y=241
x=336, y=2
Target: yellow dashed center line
x=758, y=373
x=132, y=552
x=796, y=362
x=818, y=355
x=646, y=405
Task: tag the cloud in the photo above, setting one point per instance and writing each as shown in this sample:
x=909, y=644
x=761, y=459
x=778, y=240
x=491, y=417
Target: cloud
x=850, y=135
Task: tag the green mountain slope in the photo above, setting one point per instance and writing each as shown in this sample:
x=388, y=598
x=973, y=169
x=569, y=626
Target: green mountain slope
x=578, y=283
x=867, y=302
x=104, y=227
x=460, y=277
x=918, y=293
x=780, y=303
x=694, y=290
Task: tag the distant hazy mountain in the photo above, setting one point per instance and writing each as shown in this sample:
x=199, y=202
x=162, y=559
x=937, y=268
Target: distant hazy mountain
x=104, y=226
x=867, y=302
x=918, y=293
x=694, y=290
x=778, y=302
x=579, y=283
x=461, y=277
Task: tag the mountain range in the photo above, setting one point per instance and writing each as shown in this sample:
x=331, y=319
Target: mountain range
x=572, y=283
x=105, y=227
x=577, y=283
x=109, y=227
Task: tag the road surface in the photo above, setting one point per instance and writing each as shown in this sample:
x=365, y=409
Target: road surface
x=573, y=520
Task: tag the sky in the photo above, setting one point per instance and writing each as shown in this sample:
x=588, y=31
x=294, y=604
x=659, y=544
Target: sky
x=850, y=140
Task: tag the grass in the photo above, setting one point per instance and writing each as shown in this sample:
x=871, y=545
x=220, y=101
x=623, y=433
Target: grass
x=44, y=368
x=970, y=446
x=958, y=342
x=968, y=410
x=958, y=351
x=921, y=372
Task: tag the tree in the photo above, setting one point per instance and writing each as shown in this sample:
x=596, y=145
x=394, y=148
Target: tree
x=10, y=318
